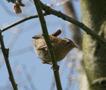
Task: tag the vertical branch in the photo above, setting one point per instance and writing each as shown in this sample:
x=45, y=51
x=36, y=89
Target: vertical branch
x=50, y=48
x=5, y=52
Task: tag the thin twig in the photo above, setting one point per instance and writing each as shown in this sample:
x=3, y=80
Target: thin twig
x=21, y=21
x=50, y=48
x=5, y=52
x=59, y=14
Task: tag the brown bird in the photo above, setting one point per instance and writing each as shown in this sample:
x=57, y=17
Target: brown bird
x=61, y=47
x=17, y=6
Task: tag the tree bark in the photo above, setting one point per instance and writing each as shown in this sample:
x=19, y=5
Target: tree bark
x=94, y=59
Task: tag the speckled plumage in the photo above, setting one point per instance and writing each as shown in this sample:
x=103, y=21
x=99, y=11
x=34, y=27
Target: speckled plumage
x=61, y=47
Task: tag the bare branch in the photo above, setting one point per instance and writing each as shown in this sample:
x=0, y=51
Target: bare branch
x=62, y=16
x=6, y=53
x=47, y=40
x=21, y=21
x=59, y=14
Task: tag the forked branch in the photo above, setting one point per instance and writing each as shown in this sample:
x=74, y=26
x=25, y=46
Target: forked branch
x=5, y=52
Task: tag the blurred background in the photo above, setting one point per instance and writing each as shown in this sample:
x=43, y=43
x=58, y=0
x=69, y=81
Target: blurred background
x=29, y=72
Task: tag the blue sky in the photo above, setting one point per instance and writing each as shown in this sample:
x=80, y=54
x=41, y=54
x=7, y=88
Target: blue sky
x=19, y=39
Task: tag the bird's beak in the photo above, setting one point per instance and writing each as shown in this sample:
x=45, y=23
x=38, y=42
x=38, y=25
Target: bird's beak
x=36, y=37
x=33, y=37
